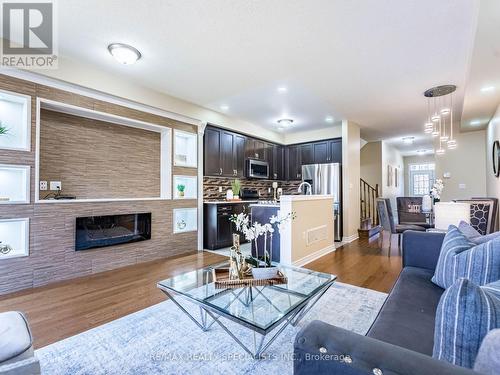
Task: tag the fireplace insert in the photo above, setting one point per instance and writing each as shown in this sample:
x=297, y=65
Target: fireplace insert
x=101, y=231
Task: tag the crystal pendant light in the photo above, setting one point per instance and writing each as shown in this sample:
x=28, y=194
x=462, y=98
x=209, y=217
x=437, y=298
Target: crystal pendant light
x=440, y=118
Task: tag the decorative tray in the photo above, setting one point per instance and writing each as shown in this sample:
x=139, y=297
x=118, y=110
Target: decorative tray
x=221, y=280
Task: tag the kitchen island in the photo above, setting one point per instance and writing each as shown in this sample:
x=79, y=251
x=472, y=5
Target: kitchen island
x=307, y=237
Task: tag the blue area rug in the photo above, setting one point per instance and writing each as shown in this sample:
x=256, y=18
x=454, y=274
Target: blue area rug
x=162, y=340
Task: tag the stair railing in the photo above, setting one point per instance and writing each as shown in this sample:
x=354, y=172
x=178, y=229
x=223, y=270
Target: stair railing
x=368, y=201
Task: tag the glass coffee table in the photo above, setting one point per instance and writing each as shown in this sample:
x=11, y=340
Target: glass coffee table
x=265, y=310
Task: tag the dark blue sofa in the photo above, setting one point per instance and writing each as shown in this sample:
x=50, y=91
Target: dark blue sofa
x=401, y=339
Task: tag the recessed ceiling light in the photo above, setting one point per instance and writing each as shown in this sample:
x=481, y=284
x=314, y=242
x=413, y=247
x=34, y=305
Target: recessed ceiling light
x=475, y=122
x=408, y=140
x=224, y=107
x=285, y=123
x=329, y=119
x=282, y=89
x=123, y=53
x=488, y=89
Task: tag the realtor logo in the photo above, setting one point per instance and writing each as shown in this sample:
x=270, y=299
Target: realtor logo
x=28, y=34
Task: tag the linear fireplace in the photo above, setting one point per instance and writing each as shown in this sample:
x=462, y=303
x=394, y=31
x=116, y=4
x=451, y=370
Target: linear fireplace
x=101, y=231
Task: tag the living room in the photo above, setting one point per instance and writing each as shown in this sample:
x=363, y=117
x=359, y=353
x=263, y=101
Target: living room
x=254, y=187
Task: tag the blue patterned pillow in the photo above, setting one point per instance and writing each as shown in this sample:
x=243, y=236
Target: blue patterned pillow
x=464, y=316
x=461, y=258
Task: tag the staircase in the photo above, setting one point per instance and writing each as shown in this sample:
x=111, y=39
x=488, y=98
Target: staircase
x=368, y=195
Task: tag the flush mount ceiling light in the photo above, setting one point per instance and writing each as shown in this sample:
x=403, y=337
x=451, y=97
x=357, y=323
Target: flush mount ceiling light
x=285, y=123
x=439, y=121
x=329, y=119
x=282, y=89
x=224, y=107
x=123, y=53
x=408, y=140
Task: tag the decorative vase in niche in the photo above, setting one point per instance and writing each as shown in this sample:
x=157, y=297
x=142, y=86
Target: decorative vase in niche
x=181, y=225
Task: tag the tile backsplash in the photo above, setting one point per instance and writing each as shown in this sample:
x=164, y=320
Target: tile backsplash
x=211, y=187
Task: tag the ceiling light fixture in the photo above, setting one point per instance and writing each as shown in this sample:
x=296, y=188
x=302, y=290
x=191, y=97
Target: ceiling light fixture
x=329, y=119
x=408, y=140
x=488, y=89
x=440, y=116
x=285, y=123
x=123, y=53
x=224, y=107
x=282, y=89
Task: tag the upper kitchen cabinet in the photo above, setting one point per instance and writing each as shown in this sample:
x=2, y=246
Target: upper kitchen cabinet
x=212, y=152
x=306, y=154
x=255, y=149
x=335, y=150
x=224, y=153
x=278, y=163
x=293, y=162
x=321, y=152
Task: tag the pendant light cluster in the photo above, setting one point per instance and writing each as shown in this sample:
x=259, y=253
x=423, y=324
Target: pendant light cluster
x=440, y=117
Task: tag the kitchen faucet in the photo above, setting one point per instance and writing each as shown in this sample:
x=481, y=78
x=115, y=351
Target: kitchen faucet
x=307, y=190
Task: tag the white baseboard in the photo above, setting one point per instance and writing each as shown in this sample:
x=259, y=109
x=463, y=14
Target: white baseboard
x=318, y=254
x=349, y=239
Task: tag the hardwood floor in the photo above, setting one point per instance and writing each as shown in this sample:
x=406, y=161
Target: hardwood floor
x=64, y=309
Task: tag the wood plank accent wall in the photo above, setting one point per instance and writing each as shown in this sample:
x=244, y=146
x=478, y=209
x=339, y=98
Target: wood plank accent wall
x=52, y=226
x=95, y=159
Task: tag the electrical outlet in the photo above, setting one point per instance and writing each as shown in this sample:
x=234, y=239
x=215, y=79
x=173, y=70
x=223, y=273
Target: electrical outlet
x=43, y=185
x=55, y=185
x=220, y=189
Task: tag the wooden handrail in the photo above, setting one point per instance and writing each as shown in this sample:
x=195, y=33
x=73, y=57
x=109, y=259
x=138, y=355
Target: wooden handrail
x=368, y=201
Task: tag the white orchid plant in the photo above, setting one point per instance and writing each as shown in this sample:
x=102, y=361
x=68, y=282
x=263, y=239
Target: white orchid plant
x=437, y=189
x=252, y=231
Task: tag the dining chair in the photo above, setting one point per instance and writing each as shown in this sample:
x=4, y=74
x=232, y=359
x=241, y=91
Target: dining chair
x=386, y=219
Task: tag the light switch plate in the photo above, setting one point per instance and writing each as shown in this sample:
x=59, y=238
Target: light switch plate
x=43, y=185
x=55, y=185
x=461, y=186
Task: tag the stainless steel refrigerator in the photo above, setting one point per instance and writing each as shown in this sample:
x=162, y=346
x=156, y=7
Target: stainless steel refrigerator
x=326, y=179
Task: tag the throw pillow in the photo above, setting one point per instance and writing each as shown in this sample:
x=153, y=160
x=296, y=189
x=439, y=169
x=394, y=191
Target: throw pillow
x=473, y=235
x=465, y=314
x=487, y=360
x=468, y=230
x=461, y=258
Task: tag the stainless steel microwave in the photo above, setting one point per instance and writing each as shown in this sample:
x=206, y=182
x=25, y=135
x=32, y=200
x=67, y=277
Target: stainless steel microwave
x=257, y=169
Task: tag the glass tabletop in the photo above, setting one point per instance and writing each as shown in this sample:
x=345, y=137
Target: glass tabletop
x=261, y=307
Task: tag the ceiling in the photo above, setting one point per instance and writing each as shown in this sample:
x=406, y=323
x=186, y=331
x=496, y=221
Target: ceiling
x=366, y=61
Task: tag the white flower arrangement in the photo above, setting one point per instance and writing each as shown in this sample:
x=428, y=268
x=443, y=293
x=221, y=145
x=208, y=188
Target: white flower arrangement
x=437, y=189
x=253, y=231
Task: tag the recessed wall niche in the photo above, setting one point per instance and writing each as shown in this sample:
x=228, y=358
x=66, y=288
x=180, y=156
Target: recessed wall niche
x=99, y=156
x=15, y=118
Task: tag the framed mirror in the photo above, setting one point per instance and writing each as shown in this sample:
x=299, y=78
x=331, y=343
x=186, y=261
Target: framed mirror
x=496, y=158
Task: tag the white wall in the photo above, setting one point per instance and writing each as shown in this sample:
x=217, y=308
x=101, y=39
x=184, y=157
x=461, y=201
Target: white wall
x=492, y=134
x=467, y=166
x=371, y=164
x=350, y=178
x=392, y=157
x=333, y=131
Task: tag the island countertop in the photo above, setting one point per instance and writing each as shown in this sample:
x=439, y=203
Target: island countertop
x=296, y=198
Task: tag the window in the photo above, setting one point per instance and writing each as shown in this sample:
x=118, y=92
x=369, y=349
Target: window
x=421, y=178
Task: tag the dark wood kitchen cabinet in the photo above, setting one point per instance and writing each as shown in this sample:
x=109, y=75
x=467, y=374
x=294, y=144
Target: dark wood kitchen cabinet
x=306, y=154
x=278, y=163
x=218, y=230
x=335, y=150
x=321, y=152
x=293, y=163
x=255, y=149
x=224, y=153
x=212, y=152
